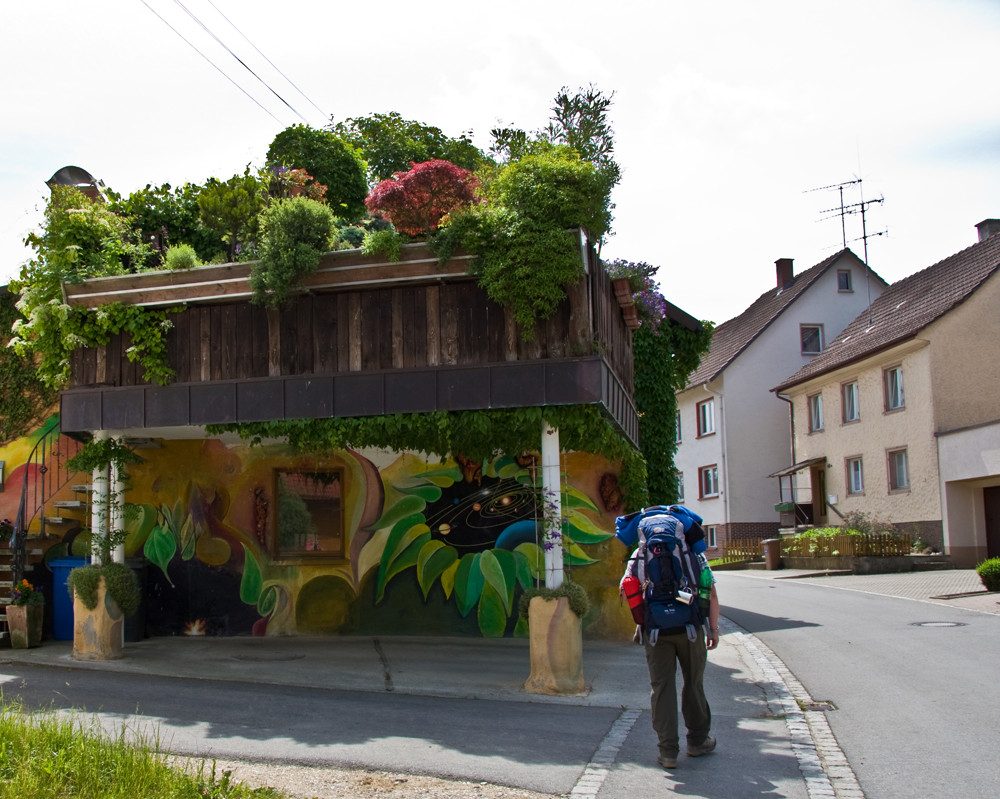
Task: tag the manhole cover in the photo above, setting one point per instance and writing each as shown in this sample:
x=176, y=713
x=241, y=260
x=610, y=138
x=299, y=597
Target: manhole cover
x=937, y=624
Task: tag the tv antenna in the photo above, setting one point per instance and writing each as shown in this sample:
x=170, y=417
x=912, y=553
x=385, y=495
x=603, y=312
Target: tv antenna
x=855, y=208
x=843, y=211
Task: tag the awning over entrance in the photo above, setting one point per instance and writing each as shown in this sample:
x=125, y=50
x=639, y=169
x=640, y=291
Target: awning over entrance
x=799, y=467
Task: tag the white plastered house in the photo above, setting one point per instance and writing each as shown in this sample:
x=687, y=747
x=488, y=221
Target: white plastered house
x=733, y=432
x=899, y=417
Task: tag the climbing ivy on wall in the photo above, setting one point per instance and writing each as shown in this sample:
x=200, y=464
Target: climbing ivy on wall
x=82, y=239
x=664, y=354
x=26, y=399
x=663, y=360
x=477, y=435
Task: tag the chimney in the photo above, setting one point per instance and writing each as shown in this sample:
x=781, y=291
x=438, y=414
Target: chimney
x=783, y=266
x=987, y=228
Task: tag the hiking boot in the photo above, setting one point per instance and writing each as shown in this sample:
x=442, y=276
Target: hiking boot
x=703, y=748
x=667, y=761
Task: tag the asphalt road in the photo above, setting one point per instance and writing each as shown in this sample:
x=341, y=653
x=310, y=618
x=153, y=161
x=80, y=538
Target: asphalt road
x=443, y=737
x=913, y=683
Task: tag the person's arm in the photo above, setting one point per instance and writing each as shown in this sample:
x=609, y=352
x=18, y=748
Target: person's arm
x=712, y=641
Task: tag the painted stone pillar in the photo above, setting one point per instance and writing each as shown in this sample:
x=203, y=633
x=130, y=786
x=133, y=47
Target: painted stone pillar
x=98, y=634
x=556, y=644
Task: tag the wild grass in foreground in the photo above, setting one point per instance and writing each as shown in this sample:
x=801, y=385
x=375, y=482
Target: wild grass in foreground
x=45, y=756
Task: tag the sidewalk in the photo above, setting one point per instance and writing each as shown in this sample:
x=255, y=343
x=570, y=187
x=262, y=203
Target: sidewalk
x=765, y=737
x=959, y=588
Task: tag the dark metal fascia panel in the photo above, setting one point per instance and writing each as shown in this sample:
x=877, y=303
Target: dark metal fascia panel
x=574, y=381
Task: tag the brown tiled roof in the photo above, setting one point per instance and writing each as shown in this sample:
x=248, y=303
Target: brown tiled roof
x=906, y=308
x=730, y=338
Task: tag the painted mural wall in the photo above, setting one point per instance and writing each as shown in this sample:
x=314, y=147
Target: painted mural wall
x=239, y=540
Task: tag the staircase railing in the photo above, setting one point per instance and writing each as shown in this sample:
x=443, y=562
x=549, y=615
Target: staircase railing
x=47, y=461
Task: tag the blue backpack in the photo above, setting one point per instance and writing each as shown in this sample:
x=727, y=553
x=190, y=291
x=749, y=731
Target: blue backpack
x=671, y=574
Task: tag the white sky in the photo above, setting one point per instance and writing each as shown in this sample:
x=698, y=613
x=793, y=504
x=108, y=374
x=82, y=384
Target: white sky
x=725, y=112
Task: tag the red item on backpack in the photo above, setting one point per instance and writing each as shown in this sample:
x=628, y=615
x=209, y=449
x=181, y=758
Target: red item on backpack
x=632, y=591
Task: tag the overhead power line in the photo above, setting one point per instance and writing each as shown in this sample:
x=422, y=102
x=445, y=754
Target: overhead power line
x=273, y=66
x=210, y=61
x=263, y=82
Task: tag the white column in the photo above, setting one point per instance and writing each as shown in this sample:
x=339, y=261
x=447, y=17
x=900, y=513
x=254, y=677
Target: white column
x=552, y=499
x=99, y=504
x=116, y=510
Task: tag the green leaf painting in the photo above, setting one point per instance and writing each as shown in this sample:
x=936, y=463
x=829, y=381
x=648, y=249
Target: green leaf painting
x=404, y=507
x=494, y=577
x=433, y=559
x=486, y=580
x=253, y=580
x=492, y=614
x=582, y=530
x=268, y=600
x=161, y=545
x=469, y=582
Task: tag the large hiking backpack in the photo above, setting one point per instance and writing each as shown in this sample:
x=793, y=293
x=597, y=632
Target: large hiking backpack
x=671, y=574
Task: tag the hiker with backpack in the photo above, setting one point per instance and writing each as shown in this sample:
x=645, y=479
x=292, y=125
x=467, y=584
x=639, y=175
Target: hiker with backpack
x=671, y=592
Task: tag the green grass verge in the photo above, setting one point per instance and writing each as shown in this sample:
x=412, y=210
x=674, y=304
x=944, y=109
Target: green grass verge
x=49, y=756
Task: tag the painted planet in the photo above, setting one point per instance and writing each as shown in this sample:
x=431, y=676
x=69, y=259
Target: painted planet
x=444, y=529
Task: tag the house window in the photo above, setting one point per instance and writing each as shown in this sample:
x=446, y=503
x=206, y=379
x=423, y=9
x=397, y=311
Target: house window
x=899, y=470
x=812, y=339
x=309, y=514
x=815, y=413
x=711, y=540
x=706, y=418
x=680, y=486
x=849, y=402
x=708, y=481
x=677, y=427
x=844, y=280
x=855, y=476
x=894, y=388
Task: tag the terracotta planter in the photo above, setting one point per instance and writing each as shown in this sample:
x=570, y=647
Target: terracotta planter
x=98, y=634
x=24, y=622
x=556, y=638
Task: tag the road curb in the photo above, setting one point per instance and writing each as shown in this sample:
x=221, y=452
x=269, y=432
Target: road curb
x=824, y=767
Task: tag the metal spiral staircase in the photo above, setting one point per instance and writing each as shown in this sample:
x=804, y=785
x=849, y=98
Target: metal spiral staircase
x=53, y=498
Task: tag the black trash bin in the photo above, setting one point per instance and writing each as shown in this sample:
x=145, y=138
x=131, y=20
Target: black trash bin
x=135, y=625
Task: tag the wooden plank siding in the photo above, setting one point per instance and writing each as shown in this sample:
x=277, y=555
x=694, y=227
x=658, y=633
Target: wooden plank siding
x=358, y=347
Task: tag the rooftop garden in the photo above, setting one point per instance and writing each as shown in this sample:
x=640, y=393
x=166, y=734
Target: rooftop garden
x=374, y=183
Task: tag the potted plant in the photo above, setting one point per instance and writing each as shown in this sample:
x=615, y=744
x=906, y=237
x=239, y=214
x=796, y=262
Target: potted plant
x=555, y=630
x=104, y=592
x=25, y=615
x=103, y=595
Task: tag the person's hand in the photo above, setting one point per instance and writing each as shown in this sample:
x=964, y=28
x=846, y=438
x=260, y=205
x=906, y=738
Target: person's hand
x=712, y=641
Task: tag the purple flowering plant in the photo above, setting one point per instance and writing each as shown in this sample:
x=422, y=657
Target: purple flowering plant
x=650, y=303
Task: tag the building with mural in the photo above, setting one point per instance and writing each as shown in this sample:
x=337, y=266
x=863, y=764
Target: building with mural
x=241, y=524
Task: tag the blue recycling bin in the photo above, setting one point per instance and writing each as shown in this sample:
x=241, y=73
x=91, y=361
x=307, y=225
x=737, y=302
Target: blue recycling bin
x=62, y=602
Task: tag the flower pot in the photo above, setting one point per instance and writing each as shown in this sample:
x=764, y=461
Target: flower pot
x=24, y=622
x=556, y=639
x=98, y=634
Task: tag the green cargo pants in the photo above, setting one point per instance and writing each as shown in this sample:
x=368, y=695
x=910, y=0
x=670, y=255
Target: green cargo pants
x=662, y=661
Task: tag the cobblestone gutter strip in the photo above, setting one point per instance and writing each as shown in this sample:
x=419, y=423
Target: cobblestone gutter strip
x=596, y=772
x=822, y=763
